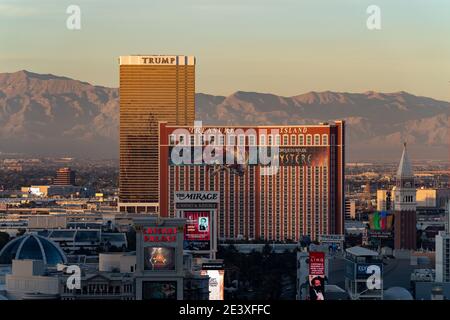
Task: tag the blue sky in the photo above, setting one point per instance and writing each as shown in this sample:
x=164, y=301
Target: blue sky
x=285, y=47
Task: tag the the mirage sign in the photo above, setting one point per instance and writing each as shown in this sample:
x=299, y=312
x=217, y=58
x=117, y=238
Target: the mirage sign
x=196, y=200
x=199, y=208
x=193, y=196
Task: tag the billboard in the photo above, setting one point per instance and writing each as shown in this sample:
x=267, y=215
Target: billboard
x=317, y=276
x=287, y=156
x=216, y=283
x=157, y=290
x=199, y=208
x=197, y=232
x=159, y=258
x=197, y=200
x=331, y=238
x=381, y=221
x=303, y=156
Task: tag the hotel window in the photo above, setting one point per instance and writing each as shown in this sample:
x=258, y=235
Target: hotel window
x=252, y=140
x=301, y=139
x=222, y=204
x=181, y=178
x=294, y=225
x=277, y=140
x=171, y=189
x=212, y=180
x=231, y=140
x=212, y=139
x=262, y=140
x=201, y=171
x=182, y=139
x=191, y=178
x=308, y=139
x=270, y=208
x=222, y=139
x=325, y=139
x=262, y=209
x=192, y=140
x=251, y=205
x=293, y=140
x=317, y=139
x=270, y=140
x=241, y=140
x=171, y=140
x=285, y=140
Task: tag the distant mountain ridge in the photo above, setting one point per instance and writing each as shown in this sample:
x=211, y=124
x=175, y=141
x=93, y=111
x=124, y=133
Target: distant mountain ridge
x=53, y=115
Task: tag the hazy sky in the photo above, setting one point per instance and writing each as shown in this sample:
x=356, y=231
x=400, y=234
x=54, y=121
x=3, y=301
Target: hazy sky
x=285, y=47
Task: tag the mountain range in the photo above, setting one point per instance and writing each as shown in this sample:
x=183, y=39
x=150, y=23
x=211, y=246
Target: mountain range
x=44, y=114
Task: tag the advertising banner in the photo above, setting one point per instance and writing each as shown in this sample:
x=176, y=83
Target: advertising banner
x=380, y=234
x=303, y=156
x=216, y=283
x=197, y=232
x=196, y=200
x=381, y=221
x=287, y=156
x=317, y=276
x=331, y=238
x=159, y=258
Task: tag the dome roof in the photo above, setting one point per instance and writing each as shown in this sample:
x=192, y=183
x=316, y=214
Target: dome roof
x=397, y=293
x=32, y=246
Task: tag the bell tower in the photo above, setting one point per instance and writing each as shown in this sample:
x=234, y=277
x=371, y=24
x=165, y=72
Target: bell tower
x=405, y=205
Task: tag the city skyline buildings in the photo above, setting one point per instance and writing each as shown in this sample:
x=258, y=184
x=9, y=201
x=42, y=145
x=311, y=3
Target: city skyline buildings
x=303, y=197
x=64, y=176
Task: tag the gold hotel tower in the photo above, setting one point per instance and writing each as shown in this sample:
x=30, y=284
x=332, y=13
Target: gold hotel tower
x=152, y=88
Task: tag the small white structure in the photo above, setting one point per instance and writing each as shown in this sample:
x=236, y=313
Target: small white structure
x=28, y=277
x=123, y=262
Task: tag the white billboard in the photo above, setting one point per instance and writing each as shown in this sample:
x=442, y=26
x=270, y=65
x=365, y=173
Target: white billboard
x=216, y=283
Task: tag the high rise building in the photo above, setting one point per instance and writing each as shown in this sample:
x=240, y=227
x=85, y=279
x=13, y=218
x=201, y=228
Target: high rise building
x=384, y=201
x=350, y=209
x=64, y=177
x=152, y=89
x=443, y=252
x=303, y=197
x=405, y=205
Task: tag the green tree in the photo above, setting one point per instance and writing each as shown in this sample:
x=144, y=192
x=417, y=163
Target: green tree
x=4, y=239
x=131, y=239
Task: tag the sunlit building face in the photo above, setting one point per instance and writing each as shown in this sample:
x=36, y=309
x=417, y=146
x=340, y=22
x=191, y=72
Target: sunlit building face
x=152, y=89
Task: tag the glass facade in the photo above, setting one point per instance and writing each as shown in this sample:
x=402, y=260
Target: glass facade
x=149, y=93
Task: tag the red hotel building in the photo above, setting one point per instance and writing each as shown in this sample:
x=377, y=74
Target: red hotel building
x=305, y=196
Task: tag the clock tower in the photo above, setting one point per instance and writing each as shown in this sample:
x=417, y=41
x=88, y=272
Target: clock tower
x=405, y=205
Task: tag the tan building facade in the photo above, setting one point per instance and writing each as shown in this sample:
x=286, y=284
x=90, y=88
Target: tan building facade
x=152, y=89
